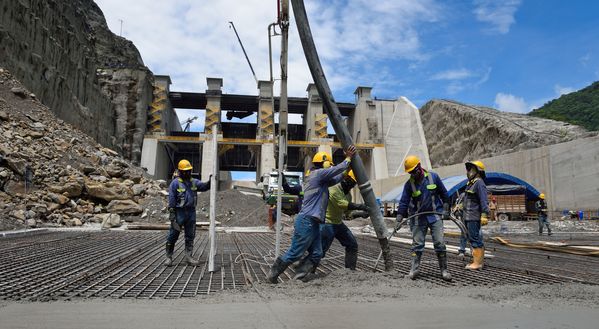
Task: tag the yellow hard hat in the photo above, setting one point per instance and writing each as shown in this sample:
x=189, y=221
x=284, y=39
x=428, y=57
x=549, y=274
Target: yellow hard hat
x=542, y=196
x=351, y=175
x=411, y=163
x=324, y=158
x=478, y=164
x=184, y=165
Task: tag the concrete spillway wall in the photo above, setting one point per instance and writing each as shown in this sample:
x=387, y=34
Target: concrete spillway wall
x=568, y=172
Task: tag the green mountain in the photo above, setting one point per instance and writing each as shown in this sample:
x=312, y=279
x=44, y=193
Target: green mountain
x=579, y=108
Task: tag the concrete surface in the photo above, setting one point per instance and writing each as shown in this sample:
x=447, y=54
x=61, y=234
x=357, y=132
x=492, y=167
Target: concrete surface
x=411, y=308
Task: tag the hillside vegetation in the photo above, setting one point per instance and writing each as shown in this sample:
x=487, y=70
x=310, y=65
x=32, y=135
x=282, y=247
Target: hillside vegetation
x=578, y=108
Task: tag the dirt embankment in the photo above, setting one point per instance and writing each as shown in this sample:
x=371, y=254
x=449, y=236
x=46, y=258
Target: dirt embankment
x=458, y=132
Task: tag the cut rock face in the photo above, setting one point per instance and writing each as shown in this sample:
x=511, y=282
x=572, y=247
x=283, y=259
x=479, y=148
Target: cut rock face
x=458, y=132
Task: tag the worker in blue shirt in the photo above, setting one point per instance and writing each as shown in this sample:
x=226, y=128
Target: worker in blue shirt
x=476, y=211
x=424, y=192
x=306, y=233
x=182, y=201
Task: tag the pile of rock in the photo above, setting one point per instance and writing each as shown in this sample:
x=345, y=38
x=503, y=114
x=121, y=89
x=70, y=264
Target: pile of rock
x=51, y=172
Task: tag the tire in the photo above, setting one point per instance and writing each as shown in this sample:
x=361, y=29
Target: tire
x=503, y=217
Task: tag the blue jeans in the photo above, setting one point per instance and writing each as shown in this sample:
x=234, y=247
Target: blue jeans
x=475, y=233
x=186, y=218
x=464, y=240
x=419, y=229
x=341, y=232
x=543, y=221
x=306, y=236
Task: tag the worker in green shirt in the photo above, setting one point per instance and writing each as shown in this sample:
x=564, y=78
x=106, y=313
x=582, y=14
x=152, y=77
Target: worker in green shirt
x=340, y=207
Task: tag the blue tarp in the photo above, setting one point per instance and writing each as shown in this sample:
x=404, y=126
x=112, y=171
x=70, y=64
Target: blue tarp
x=504, y=183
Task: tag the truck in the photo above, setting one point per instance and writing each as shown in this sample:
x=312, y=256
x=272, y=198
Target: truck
x=290, y=203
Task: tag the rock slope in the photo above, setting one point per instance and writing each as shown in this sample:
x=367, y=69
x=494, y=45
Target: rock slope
x=51, y=173
x=458, y=132
x=64, y=52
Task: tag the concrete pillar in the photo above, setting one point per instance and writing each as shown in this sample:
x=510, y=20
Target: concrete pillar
x=266, y=160
x=207, y=158
x=265, y=111
x=364, y=123
x=161, y=113
x=315, y=120
x=213, y=98
x=154, y=159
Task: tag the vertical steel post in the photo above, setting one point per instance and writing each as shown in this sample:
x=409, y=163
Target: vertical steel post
x=213, y=190
x=284, y=23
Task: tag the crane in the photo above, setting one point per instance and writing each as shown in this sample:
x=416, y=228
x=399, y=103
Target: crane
x=188, y=122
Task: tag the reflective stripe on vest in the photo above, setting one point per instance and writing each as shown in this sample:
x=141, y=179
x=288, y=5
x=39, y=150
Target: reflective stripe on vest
x=469, y=191
x=181, y=191
x=431, y=186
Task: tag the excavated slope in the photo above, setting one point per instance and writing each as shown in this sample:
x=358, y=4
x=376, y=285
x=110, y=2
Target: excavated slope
x=458, y=132
x=64, y=52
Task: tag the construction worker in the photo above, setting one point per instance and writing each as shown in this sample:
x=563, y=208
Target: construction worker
x=541, y=206
x=476, y=211
x=424, y=192
x=306, y=233
x=182, y=201
x=340, y=207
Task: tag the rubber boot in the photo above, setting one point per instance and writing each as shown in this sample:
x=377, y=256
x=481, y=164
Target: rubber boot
x=478, y=256
x=351, y=259
x=386, y=254
x=189, y=255
x=415, y=270
x=169, y=254
x=277, y=268
x=301, y=263
x=548, y=230
x=307, y=267
x=442, y=257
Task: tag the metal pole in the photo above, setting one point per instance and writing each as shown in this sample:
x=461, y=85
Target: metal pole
x=341, y=130
x=244, y=52
x=284, y=23
x=213, y=190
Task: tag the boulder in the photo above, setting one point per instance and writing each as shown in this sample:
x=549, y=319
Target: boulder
x=18, y=214
x=110, y=220
x=127, y=207
x=108, y=191
x=58, y=198
x=138, y=189
x=70, y=189
x=19, y=91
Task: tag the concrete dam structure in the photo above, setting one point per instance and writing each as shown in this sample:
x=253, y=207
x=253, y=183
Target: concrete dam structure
x=384, y=131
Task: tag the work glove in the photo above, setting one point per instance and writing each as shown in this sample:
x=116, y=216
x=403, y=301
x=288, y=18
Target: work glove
x=398, y=220
x=359, y=214
x=484, y=219
x=172, y=216
x=362, y=207
x=356, y=206
x=445, y=211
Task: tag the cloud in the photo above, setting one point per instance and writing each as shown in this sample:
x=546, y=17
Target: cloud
x=191, y=40
x=559, y=90
x=584, y=60
x=462, y=79
x=499, y=14
x=456, y=74
x=511, y=103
